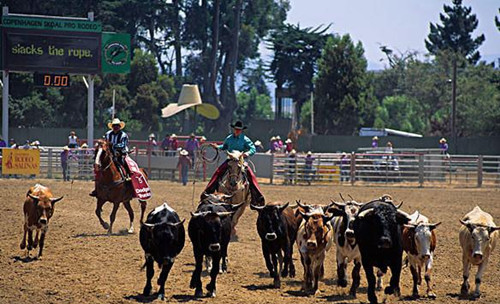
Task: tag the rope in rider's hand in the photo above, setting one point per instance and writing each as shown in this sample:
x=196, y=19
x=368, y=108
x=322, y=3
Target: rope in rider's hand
x=201, y=158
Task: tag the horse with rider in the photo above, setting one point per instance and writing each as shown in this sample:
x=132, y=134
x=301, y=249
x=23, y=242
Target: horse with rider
x=118, y=179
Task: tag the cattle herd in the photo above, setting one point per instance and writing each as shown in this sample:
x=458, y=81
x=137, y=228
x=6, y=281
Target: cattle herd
x=372, y=234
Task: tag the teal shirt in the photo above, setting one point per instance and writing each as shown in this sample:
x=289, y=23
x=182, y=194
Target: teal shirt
x=240, y=143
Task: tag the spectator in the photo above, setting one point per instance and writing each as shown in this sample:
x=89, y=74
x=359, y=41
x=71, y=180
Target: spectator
x=174, y=143
x=388, y=148
x=13, y=144
x=184, y=164
x=309, y=170
x=26, y=145
x=345, y=163
x=280, y=143
x=258, y=146
x=3, y=144
x=203, y=139
x=72, y=140
x=375, y=142
x=443, y=145
x=152, y=144
x=272, y=144
x=165, y=143
x=192, y=146
x=66, y=155
x=36, y=145
x=289, y=145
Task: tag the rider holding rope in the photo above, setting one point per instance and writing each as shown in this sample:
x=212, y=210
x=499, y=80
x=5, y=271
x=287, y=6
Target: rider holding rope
x=236, y=141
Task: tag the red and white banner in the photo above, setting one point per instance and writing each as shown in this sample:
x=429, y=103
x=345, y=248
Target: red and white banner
x=139, y=182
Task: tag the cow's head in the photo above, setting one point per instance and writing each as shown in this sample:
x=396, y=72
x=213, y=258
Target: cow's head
x=163, y=235
x=211, y=230
x=316, y=229
x=270, y=219
x=307, y=208
x=480, y=236
x=44, y=207
x=348, y=212
x=422, y=238
x=383, y=220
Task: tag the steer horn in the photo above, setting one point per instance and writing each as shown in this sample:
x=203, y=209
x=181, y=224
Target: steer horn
x=33, y=196
x=283, y=207
x=342, y=197
x=257, y=208
x=55, y=200
x=364, y=213
x=339, y=205
x=222, y=214
x=176, y=224
x=301, y=205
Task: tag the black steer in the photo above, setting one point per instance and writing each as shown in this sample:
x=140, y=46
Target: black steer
x=210, y=231
x=377, y=227
x=277, y=227
x=162, y=237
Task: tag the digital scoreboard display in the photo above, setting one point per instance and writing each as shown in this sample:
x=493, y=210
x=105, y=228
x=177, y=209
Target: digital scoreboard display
x=51, y=51
x=51, y=80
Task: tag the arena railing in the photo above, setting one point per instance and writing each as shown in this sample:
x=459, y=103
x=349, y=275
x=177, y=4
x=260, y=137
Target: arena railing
x=403, y=169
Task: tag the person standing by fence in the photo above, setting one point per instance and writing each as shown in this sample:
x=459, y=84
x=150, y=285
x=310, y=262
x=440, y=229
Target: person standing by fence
x=309, y=167
x=65, y=156
x=184, y=164
x=192, y=146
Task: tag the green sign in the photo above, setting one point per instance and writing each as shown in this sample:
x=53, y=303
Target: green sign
x=51, y=24
x=115, y=57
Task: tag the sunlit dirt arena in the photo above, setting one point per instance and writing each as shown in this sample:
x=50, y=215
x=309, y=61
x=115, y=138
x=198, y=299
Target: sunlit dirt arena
x=81, y=264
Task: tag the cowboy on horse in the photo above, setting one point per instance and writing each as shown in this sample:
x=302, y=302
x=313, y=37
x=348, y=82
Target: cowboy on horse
x=119, y=145
x=236, y=141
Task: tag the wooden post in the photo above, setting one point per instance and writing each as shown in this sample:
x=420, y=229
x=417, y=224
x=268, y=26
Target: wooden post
x=272, y=168
x=353, y=168
x=421, y=170
x=49, y=169
x=479, y=171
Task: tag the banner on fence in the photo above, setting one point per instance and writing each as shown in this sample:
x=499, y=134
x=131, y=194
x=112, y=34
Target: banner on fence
x=329, y=173
x=20, y=161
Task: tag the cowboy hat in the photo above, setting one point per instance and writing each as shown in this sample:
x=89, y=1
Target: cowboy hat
x=66, y=148
x=203, y=138
x=273, y=138
x=293, y=152
x=152, y=135
x=288, y=140
x=442, y=140
x=184, y=152
x=309, y=153
x=190, y=97
x=84, y=146
x=173, y=135
x=238, y=125
x=116, y=121
x=278, y=137
x=257, y=143
x=375, y=138
x=35, y=143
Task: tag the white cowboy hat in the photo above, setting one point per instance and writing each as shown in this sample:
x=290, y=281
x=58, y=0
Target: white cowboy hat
x=84, y=146
x=116, y=121
x=152, y=135
x=442, y=140
x=190, y=97
x=293, y=152
x=35, y=143
x=257, y=143
x=273, y=138
x=184, y=152
x=203, y=138
x=66, y=148
x=309, y=153
x=375, y=138
x=288, y=140
x=278, y=137
x=173, y=135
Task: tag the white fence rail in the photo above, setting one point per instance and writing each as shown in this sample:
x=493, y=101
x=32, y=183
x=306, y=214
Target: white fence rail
x=405, y=169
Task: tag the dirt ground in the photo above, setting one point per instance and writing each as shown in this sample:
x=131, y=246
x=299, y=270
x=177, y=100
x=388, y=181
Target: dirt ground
x=81, y=264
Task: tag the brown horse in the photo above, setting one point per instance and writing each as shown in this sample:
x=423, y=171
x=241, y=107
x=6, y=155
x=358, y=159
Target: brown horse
x=235, y=183
x=111, y=187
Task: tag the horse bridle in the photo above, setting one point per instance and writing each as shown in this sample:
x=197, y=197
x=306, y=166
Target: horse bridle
x=109, y=157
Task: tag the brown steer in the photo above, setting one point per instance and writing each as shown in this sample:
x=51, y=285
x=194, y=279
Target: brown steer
x=38, y=209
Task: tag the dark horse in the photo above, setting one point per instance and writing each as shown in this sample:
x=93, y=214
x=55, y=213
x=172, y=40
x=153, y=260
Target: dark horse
x=111, y=187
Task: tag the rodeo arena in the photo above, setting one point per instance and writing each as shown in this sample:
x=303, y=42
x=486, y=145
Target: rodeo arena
x=384, y=216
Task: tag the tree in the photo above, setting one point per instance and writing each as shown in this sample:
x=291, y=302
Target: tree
x=339, y=88
x=402, y=113
x=294, y=65
x=455, y=33
x=253, y=105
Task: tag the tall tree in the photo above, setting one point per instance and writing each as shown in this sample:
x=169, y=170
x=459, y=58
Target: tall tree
x=294, y=64
x=455, y=33
x=339, y=87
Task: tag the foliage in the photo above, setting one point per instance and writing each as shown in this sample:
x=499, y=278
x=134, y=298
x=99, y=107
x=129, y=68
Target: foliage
x=455, y=33
x=339, y=87
x=400, y=112
x=253, y=105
